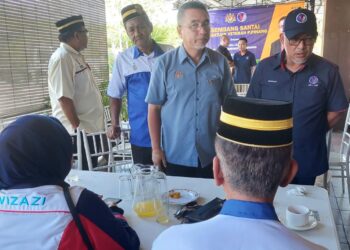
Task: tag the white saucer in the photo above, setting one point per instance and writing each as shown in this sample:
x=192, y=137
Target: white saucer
x=312, y=224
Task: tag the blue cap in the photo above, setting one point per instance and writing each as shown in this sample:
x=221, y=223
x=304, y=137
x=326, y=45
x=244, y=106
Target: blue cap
x=300, y=21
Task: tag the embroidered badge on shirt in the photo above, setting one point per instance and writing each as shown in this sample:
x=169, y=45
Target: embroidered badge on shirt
x=214, y=80
x=313, y=81
x=178, y=74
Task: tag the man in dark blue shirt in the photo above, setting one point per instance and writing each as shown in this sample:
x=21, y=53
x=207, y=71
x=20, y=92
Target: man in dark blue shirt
x=222, y=49
x=312, y=84
x=244, y=62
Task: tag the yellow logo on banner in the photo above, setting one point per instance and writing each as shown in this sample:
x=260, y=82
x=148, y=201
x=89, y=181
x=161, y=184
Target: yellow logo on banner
x=230, y=18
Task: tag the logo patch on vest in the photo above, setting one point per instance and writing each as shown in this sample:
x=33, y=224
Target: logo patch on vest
x=13, y=200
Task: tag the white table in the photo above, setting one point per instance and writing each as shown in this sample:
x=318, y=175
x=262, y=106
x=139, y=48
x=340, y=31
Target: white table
x=106, y=184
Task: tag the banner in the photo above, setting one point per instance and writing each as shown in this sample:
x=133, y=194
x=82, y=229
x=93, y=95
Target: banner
x=258, y=24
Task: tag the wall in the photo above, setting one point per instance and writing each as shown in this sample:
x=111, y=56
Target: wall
x=28, y=37
x=336, y=39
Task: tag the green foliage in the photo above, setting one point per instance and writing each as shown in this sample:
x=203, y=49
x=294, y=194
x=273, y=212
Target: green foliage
x=105, y=101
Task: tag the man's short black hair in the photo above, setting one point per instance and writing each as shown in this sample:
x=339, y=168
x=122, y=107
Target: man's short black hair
x=68, y=35
x=243, y=39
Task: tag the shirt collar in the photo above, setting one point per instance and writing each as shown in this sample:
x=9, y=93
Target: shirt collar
x=183, y=55
x=249, y=209
x=69, y=48
x=156, y=49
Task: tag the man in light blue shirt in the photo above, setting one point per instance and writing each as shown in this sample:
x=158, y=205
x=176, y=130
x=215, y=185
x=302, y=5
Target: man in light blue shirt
x=187, y=88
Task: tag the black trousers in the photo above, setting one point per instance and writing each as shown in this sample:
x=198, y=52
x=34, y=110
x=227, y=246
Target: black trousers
x=142, y=155
x=304, y=180
x=186, y=171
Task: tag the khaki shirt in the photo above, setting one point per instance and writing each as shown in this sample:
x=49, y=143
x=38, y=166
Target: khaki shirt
x=70, y=76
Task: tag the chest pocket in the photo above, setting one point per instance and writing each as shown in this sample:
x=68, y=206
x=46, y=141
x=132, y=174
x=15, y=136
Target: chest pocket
x=81, y=80
x=279, y=89
x=311, y=94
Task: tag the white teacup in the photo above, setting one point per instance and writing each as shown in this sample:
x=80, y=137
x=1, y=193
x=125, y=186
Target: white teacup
x=297, y=215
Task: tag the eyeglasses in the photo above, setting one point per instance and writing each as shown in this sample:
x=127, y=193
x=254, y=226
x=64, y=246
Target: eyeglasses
x=196, y=25
x=296, y=41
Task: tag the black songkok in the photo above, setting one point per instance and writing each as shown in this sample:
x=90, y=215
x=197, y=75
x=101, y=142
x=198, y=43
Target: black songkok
x=70, y=23
x=256, y=122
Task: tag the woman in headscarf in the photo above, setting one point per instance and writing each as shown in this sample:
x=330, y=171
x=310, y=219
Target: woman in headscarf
x=38, y=210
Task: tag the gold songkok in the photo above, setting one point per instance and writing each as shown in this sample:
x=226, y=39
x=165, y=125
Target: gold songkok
x=131, y=11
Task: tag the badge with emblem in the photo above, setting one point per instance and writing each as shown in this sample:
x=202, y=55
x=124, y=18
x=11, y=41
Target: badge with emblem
x=313, y=81
x=301, y=18
x=178, y=74
x=213, y=79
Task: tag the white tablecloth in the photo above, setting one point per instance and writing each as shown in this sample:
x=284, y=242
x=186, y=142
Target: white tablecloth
x=316, y=198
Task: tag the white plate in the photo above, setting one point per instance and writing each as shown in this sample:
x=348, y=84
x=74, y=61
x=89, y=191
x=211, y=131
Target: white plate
x=187, y=196
x=312, y=224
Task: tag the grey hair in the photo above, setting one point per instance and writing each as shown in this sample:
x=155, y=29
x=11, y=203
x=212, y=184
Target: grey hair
x=253, y=171
x=190, y=5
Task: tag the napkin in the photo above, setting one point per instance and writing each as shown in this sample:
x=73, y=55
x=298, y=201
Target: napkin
x=299, y=191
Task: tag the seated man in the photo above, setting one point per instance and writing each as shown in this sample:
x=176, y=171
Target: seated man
x=253, y=146
x=36, y=204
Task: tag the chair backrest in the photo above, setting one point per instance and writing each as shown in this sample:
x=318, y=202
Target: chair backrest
x=121, y=150
x=241, y=89
x=345, y=142
x=77, y=157
x=107, y=116
x=98, y=146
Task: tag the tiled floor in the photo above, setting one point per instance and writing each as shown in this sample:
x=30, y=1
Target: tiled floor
x=340, y=201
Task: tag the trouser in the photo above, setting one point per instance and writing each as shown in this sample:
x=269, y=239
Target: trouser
x=304, y=180
x=186, y=171
x=141, y=155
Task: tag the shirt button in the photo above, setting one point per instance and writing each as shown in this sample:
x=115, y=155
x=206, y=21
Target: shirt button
x=197, y=83
x=197, y=98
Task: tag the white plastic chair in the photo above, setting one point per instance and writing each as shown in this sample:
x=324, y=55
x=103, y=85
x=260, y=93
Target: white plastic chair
x=77, y=157
x=107, y=116
x=241, y=88
x=100, y=147
x=340, y=161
